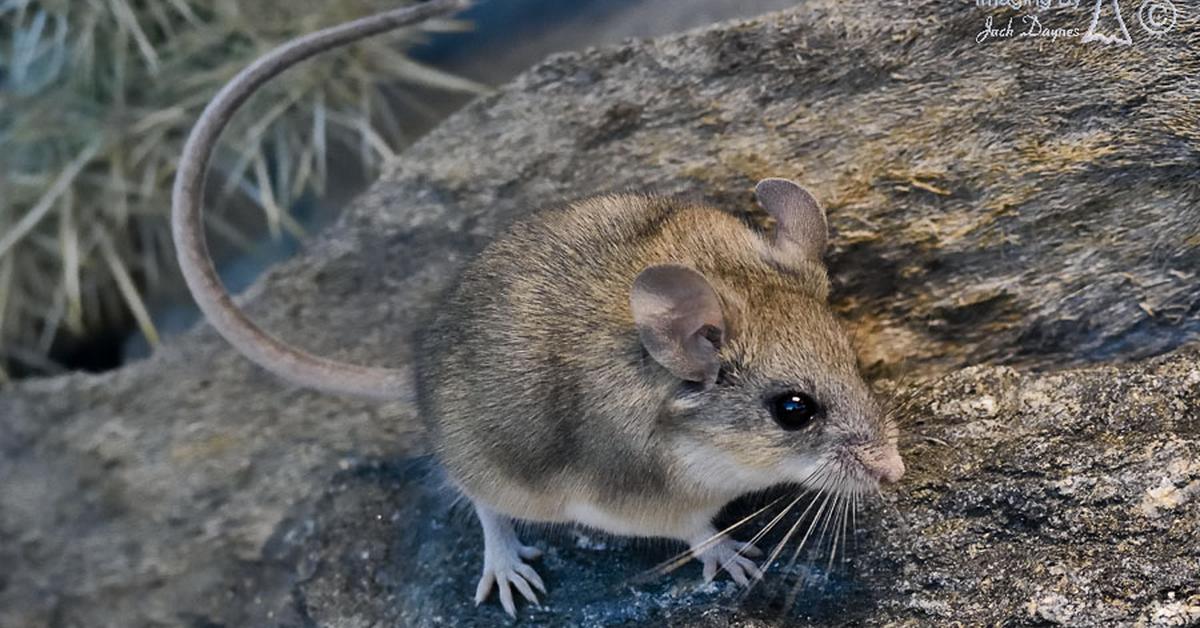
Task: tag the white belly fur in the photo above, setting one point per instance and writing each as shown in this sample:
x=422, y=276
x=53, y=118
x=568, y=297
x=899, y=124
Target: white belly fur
x=646, y=524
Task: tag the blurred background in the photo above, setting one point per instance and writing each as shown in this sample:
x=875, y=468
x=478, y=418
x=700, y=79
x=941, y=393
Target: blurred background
x=97, y=97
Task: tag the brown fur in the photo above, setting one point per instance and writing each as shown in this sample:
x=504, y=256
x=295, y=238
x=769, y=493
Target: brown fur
x=538, y=392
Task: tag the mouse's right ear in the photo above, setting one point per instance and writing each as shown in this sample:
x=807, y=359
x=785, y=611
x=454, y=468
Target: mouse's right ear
x=803, y=230
x=679, y=320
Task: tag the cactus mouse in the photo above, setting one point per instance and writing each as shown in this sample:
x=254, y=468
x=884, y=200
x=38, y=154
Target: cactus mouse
x=631, y=363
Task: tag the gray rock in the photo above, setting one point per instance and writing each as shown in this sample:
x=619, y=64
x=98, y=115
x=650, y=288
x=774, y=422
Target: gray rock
x=1020, y=205
x=1069, y=498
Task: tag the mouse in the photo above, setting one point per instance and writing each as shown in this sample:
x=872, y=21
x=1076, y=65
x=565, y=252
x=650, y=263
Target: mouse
x=631, y=363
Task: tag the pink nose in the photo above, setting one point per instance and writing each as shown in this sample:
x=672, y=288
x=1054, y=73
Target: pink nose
x=883, y=462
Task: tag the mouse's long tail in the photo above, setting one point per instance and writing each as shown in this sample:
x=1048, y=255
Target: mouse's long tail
x=188, y=228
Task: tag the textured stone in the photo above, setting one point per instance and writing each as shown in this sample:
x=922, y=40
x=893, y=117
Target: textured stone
x=1069, y=498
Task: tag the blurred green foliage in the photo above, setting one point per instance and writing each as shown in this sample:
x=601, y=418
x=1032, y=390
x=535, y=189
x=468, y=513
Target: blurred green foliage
x=96, y=99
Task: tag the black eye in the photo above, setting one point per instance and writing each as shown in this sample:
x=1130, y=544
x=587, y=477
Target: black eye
x=793, y=410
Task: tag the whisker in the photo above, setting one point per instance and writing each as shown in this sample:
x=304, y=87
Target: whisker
x=829, y=516
x=791, y=598
x=824, y=478
x=821, y=469
x=910, y=437
x=763, y=532
x=829, y=526
x=682, y=558
x=774, y=521
x=854, y=520
x=808, y=533
x=792, y=531
x=844, y=514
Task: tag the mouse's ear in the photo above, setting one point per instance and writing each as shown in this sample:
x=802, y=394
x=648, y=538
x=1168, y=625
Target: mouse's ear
x=802, y=230
x=679, y=320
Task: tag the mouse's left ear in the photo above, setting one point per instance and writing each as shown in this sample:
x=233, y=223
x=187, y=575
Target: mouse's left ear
x=803, y=231
x=679, y=321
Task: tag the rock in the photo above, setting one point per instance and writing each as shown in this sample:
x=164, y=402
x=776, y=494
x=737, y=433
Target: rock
x=1034, y=515
x=998, y=210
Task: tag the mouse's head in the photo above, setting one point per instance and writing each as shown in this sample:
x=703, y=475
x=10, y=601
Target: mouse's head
x=769, y=391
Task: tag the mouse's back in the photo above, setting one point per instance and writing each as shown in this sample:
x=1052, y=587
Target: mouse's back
x=540, y=310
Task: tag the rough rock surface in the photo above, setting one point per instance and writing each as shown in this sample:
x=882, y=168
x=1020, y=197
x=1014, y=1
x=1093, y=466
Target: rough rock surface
x=1067, y=498
x=1022, y=203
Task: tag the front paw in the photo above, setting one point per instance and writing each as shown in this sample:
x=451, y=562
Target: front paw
x=730, y=555
x=505, y=568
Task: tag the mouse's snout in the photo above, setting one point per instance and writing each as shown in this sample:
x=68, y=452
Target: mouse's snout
x=881, y=461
